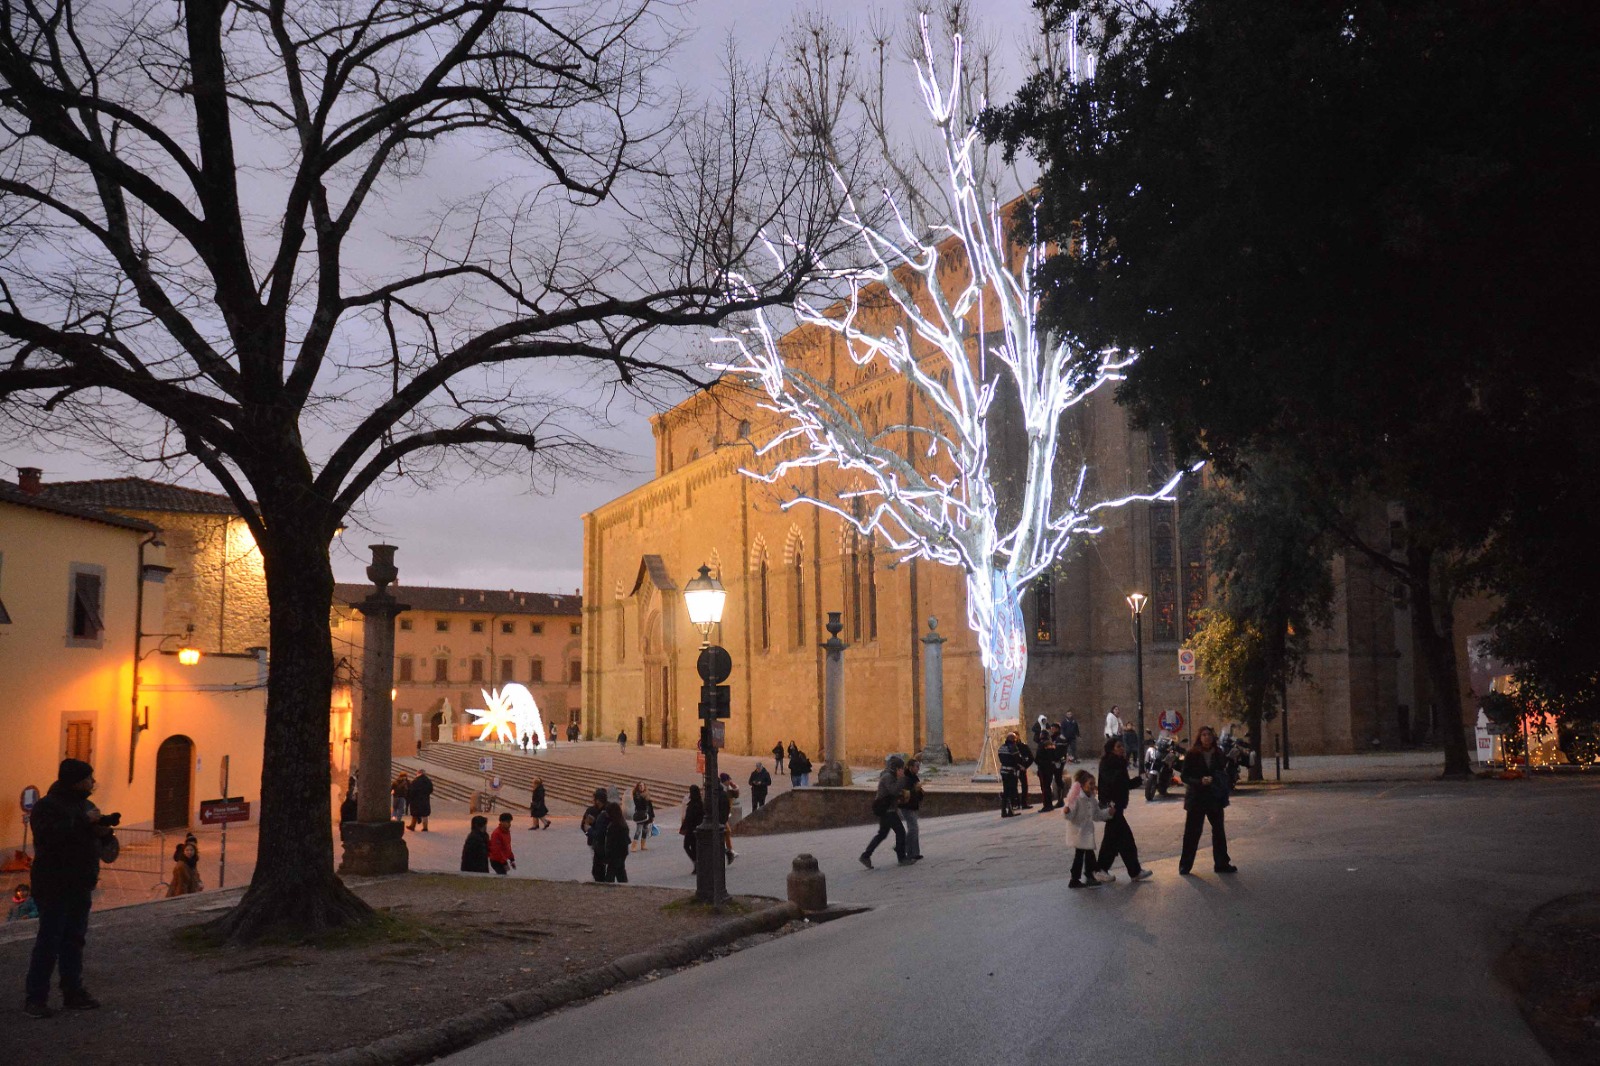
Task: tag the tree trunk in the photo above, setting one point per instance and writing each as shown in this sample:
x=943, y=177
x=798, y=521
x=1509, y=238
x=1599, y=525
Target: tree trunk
x=1433, y=630
x=294, y=889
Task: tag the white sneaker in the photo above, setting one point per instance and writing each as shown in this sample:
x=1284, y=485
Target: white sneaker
x=1105, y=875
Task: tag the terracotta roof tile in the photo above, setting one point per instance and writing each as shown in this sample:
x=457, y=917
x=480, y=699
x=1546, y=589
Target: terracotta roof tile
x=11, y=493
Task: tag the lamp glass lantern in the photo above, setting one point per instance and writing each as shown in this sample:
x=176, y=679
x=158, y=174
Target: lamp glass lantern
x=1136, y=601
x=704, y=596
x=188, y=654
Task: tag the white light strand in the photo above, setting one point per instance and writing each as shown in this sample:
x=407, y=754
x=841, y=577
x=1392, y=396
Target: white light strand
x=945, y=507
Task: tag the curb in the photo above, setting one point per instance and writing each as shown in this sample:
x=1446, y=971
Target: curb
x=422, y=1045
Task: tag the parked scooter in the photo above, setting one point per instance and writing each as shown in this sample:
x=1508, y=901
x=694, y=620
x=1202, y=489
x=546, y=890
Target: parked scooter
x=1161, y=760
x=1238, y=752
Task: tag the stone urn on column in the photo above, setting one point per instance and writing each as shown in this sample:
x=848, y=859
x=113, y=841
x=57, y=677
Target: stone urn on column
x=374, y=843
x=934, y=752
x=835, y=770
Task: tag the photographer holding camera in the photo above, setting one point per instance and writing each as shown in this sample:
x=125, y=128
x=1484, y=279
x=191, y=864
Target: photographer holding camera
x=71, y=839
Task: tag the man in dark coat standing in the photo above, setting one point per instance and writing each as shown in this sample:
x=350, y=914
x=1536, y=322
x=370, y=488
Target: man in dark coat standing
x=1069, y=736
x=1045, y=758
x=419, y=797
x=760, y=781
x=68, y=833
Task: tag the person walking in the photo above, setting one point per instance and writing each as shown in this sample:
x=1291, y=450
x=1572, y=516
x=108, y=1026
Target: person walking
x=886, y=807
x=615, y=844
x=594, y=832
x=539, y=808
x=501, y=857
x=185, y=878
x=694, y=812
x=70, y=838
x=910, y=806
x=760, y=782
x=475, y=850
x=644, y=816
x=622, y=742
x=397, y=794
x=1118, y=837
x=1044, y=764
x=1069, y=736
x=777, y=757
x=419, y=797
x=1010, y=768
x=1083, y=810
x=1205, y=797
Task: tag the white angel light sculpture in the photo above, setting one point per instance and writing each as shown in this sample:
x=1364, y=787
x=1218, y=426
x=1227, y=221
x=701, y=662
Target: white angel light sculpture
x=510, y=714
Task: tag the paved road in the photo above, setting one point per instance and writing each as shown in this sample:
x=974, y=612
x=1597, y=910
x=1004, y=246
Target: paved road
x=1361, y=929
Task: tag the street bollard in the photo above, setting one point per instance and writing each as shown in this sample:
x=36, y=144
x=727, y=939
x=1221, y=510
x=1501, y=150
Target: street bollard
x=808, y=888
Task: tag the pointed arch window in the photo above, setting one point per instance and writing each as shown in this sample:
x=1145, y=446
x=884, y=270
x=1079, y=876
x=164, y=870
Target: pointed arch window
x=766, y=601
x=798, y=579
x=871, y=581
x=1044, y=610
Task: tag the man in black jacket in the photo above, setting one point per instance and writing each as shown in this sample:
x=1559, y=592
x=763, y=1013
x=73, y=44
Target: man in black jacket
x=1011, y=768
x=1045, y=756
x=760, y=781
x=67, y=835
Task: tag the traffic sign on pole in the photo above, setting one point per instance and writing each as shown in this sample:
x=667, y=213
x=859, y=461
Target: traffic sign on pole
x=1186, y=662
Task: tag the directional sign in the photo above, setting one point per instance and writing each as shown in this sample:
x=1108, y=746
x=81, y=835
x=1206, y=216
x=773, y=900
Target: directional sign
x=218, y=811
x=1186, y=663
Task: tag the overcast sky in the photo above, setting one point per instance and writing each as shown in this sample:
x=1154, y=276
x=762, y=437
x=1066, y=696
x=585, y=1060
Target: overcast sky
x=504, y=533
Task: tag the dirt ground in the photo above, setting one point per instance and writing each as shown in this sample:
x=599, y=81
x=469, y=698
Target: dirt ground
x=1554, y=966
x=454, y=942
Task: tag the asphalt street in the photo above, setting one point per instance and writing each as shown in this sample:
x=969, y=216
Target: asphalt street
x=1361, y=928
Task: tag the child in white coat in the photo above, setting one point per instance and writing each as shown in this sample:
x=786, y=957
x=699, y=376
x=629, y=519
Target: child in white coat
x=1083, y=810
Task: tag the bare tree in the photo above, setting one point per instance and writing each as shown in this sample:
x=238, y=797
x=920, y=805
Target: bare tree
x=224, y=242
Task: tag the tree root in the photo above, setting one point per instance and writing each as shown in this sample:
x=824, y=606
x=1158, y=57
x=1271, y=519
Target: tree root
x=291, y=911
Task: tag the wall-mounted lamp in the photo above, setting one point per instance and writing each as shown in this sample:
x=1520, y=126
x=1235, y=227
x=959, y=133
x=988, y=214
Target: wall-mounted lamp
x=188, y=654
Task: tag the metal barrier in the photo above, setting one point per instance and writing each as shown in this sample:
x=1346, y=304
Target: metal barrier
x=144, y=851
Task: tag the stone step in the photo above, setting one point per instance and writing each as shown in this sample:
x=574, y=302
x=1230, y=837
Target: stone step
x=563, y=780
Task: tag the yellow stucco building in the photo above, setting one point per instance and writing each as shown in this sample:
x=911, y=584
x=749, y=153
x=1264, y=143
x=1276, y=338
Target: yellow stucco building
x=451, y=645
x=80, y=675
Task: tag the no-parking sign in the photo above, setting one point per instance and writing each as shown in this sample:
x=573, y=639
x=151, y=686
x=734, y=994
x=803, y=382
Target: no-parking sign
x=30, y=796
x=1186, y=663
x=1170, y=721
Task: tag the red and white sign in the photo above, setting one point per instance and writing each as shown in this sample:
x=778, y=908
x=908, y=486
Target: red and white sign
x=30, y=796
x=1171, y=721
x=1186, y=662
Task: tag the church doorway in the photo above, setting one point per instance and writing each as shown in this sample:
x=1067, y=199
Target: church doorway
x=433, y=725
x=174, y=760
x=657, y=730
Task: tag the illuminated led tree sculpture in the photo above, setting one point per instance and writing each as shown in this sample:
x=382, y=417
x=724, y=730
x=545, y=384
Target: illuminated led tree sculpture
x=962, y=333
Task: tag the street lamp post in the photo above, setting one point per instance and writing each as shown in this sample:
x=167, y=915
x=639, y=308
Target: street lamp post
x=704, y=597
x=1136, y=602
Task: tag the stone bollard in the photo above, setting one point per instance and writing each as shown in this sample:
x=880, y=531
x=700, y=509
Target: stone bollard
x=808, y=888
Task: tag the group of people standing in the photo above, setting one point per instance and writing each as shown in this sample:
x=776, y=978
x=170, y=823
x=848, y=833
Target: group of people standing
x=799, y=763
x=407, y=795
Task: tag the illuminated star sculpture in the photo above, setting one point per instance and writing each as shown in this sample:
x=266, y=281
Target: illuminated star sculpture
x=510, y=714
x=962, y=333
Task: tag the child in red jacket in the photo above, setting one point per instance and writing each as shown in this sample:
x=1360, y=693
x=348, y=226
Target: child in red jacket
x=500, y=854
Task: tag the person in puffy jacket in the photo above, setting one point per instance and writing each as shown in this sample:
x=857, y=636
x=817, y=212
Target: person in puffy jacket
x=616, y=844
x=886, y=807
x=1083, y=810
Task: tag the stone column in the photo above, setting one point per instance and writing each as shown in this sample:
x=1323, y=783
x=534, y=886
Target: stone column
x=933, y=750
x=374, y=843
x=835, y=769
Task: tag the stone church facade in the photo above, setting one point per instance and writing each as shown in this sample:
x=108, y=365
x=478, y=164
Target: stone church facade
x=786, y=569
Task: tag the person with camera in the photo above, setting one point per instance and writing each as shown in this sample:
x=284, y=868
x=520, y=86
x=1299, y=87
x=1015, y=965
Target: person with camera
x=70, y=840
x=1205, y=797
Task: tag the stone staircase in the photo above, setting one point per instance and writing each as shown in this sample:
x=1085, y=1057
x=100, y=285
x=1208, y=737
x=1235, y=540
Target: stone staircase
x=563, y=780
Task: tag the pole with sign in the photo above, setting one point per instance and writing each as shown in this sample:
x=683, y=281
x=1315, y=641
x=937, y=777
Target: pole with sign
x=30, y=796
x=222, y=862
x=1186, y=670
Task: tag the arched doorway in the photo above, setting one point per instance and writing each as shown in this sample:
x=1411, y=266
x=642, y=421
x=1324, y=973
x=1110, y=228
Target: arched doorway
x=657, y=728
x=433, y=725
x=174, y=766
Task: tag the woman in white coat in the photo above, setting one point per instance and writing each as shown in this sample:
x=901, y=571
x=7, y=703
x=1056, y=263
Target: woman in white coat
x=1083, y=810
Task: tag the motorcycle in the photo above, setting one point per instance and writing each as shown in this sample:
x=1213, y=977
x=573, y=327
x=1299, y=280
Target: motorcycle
x=1161, y=760
x=1238, y=752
